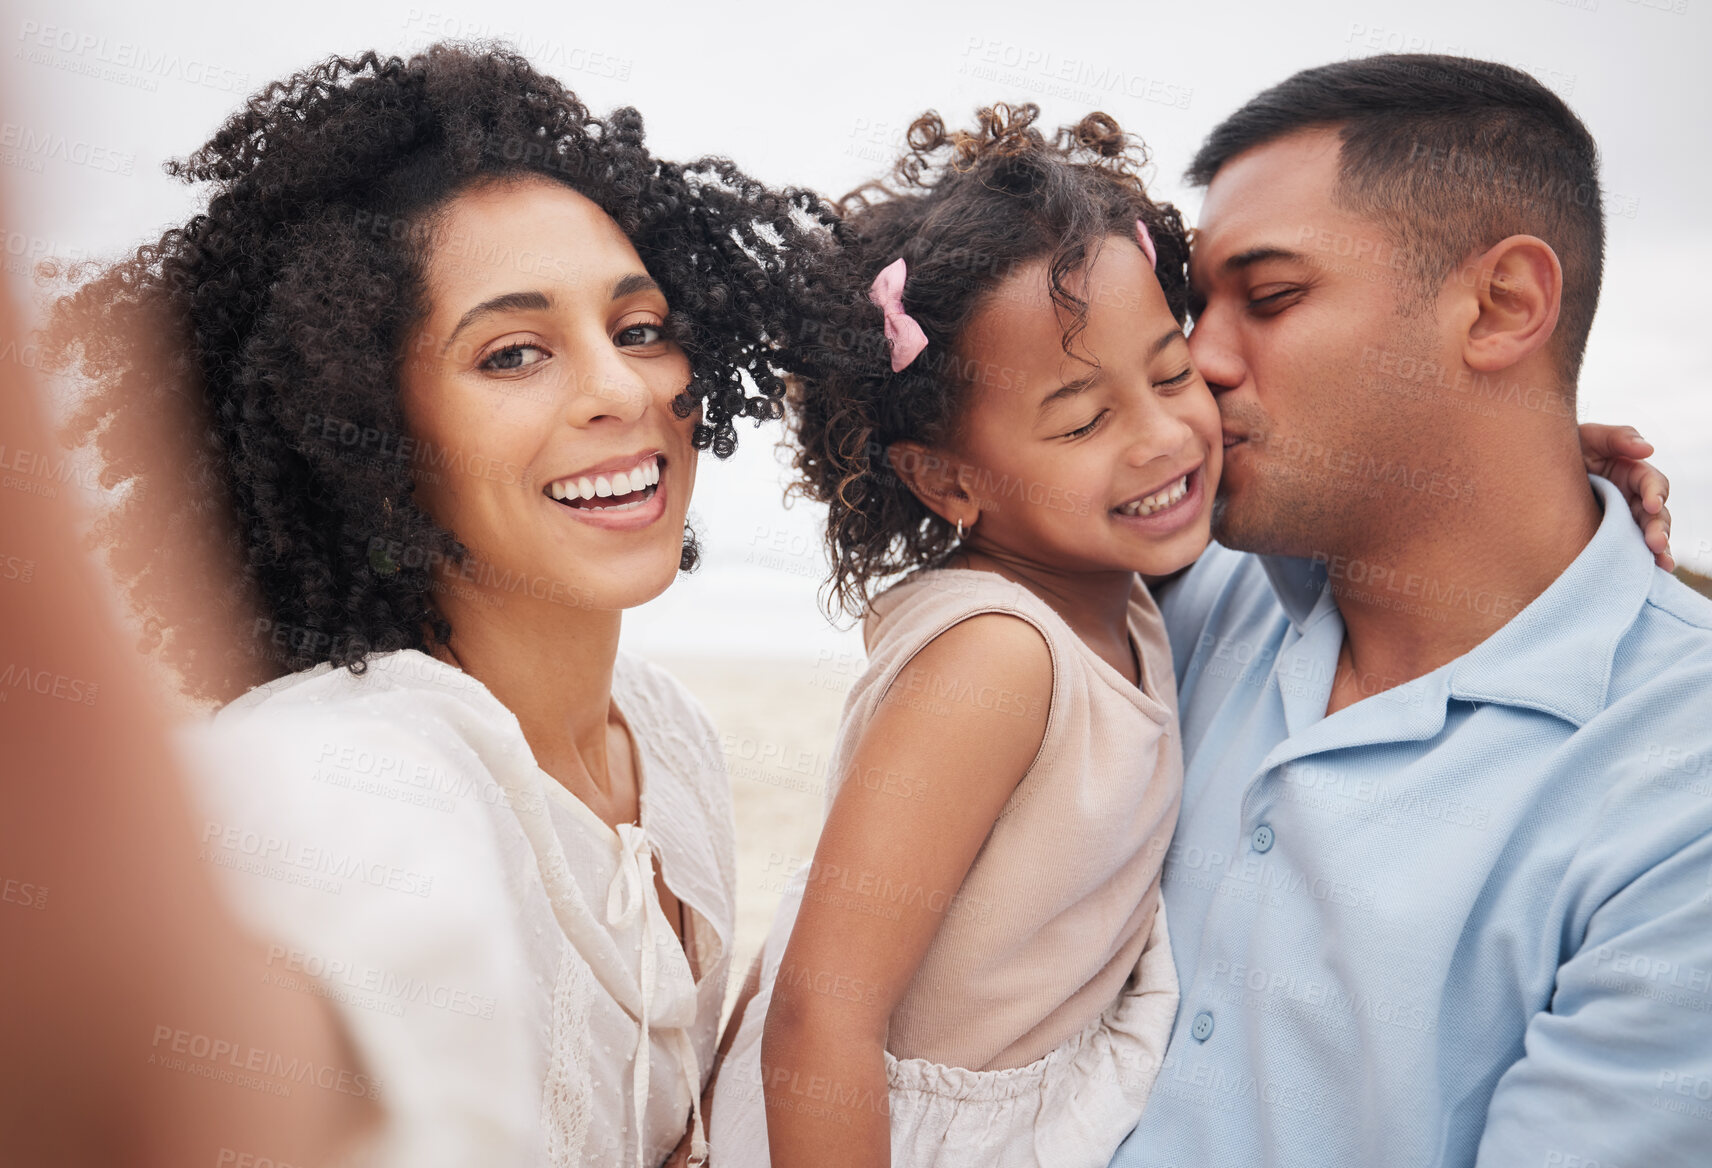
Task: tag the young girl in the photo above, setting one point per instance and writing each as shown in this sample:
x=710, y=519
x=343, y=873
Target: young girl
x=977, y=968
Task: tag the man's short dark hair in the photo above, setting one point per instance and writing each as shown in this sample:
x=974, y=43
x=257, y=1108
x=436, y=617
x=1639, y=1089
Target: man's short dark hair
x=1450, y=155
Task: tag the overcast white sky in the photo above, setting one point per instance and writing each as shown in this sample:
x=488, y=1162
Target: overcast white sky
x=821, y=98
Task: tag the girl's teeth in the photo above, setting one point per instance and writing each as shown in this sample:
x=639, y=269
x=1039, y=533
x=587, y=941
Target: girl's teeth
x=1163, y=499
x=602, y=486
x=585, y=487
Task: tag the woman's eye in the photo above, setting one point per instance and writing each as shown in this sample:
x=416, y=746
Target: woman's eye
x=514, y=357
x=640, y=334
x=1181, y=379
x=1081, y=431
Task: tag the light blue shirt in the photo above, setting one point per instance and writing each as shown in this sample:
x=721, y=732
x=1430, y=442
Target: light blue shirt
x=1464, y=921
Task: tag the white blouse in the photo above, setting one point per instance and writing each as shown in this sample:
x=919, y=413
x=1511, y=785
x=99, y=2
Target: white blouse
x=497, y=953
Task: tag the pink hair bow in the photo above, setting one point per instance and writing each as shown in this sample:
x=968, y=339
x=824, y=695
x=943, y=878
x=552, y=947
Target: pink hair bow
x=903, y=334
x=1146, y=240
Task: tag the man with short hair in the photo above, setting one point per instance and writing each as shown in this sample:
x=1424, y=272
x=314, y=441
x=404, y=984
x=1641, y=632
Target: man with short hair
x=1441, y=892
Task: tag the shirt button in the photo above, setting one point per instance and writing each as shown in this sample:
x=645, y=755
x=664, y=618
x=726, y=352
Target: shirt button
x=1203, y=1026
x=1262, y=838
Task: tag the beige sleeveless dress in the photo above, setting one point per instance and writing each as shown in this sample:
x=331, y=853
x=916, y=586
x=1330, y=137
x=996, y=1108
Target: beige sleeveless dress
x=1033, y=1030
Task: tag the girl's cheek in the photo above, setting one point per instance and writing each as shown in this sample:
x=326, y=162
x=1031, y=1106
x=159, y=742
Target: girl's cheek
x=1206, y=413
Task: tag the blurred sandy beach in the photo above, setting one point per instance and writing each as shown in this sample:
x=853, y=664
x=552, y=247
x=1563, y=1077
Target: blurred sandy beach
x=777, y=721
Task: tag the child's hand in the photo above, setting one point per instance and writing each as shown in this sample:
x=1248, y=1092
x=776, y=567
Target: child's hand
x=1616, y=453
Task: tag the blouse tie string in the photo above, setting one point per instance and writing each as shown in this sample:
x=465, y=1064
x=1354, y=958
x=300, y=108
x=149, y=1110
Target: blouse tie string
x=627, y=898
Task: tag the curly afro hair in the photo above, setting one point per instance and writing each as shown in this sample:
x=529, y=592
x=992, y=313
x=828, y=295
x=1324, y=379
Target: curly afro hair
x=291, y=299
x=965, y=209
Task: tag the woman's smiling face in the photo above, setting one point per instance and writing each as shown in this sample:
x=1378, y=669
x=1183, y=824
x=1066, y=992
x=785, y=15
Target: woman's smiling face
x=541, y=375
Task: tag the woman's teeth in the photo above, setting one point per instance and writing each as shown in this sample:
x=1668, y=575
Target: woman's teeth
x=639, y=478
x=1159, y=501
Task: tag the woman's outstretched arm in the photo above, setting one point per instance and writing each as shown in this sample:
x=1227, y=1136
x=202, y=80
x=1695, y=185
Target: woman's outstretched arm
x=124, y=977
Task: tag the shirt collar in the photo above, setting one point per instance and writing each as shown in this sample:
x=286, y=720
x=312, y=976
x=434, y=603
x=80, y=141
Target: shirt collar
x=1555, y=655
x=1300, y=586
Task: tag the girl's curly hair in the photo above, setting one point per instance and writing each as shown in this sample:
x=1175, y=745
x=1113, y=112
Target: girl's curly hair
x=965, y=209
x=272, y=327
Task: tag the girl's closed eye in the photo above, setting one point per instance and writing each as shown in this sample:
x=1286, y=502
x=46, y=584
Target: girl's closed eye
x=1084, y=431
x=1176, y=381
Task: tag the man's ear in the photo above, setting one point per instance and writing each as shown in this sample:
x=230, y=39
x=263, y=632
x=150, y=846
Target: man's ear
x=1518, y=291
x=937, y=478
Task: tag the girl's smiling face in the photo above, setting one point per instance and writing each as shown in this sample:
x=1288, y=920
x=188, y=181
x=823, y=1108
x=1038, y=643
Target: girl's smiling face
x=542, y=374
x=1100, y=460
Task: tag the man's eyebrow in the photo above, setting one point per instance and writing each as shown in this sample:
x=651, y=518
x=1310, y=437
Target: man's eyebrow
x=633, y=283
x=507, y=302
x=1256, y=255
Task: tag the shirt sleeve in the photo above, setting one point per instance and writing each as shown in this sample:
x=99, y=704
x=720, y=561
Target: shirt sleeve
x=1618, y=1071
x=388, y=902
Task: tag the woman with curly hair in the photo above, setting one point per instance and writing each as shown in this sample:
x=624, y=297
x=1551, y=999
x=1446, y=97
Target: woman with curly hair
x=437, y=361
